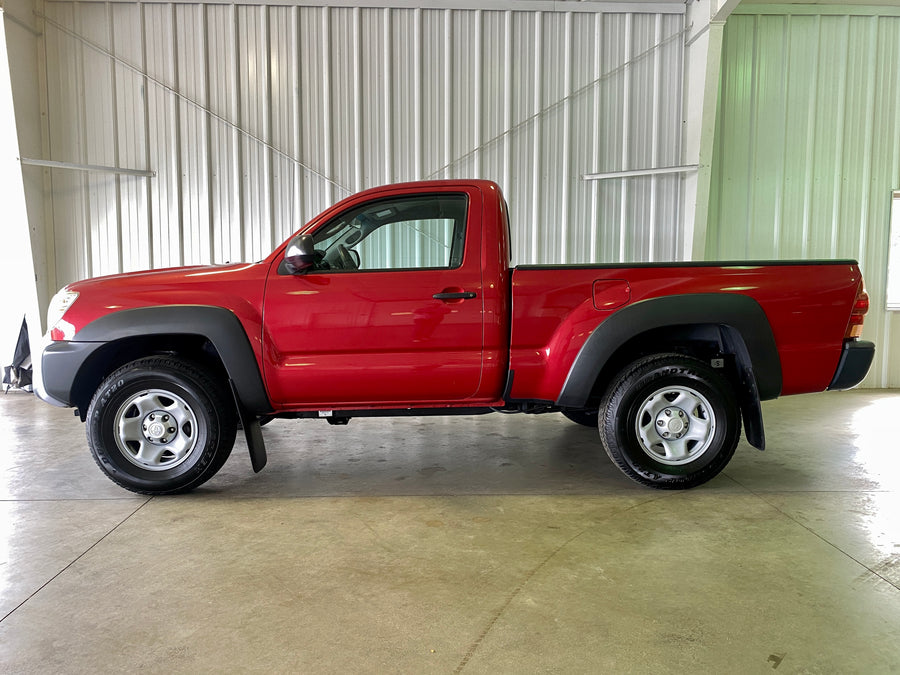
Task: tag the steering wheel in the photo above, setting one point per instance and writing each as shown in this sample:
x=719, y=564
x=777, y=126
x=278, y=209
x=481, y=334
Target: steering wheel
x=346, y=259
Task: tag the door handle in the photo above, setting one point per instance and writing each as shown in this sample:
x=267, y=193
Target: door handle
x=463, y=295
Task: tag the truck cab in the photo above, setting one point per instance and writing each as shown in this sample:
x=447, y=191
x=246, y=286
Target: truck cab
x=409, y=284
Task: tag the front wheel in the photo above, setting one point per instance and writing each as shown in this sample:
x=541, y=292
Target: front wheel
x=160, y=425
x=670, y=422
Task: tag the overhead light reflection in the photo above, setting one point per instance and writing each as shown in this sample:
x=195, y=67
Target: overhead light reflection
x=877, y=457
x=875, y=429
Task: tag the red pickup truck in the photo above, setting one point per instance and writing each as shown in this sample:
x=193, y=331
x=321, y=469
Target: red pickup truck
x=400, y=300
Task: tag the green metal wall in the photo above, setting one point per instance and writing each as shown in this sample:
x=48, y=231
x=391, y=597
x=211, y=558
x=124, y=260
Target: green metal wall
x=807, y=149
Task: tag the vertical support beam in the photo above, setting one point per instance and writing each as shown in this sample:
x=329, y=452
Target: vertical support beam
x=176, y=149
x=536, y=149
x=327, y=103
x=84, y=266
x=208, y=140
x=45, y=261
x=145, y=187
x=268, y=120
x=358, y=181
x=448, y=93
x=296, y=149
x=703, y=56
x=418, y=84
x=478, y=103
x=595, y=146
x=17, y=256
x=654, y=142
x=566, y=141
x=625, y=150
x=28, y=77
x=117, y=158
x=507, y=98
x=239, y=156
x=387, y=64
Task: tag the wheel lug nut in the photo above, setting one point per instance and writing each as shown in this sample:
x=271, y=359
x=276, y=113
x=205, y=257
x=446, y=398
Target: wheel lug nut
x=668, y=412
x=171, y=430
x=665, y=434
x=152, y=416
x=165, y=418
x=164, y=440
x=658, y=422
x=681, y=413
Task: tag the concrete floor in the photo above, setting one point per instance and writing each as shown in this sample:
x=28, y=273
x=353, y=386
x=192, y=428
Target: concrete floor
x=492, y=544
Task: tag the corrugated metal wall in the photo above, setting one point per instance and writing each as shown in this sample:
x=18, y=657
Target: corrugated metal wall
x=808, y=150
x=255, y=118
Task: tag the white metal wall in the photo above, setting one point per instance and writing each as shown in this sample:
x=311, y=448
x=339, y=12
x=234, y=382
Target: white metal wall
x=255, y=118
x=808, y=150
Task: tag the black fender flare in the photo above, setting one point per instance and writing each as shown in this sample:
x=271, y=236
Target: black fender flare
x=218, y=325
x=744, y=331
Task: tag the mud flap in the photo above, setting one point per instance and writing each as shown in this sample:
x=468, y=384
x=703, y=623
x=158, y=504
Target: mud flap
x=748, y=392
x=751, y=411
x=252, y=432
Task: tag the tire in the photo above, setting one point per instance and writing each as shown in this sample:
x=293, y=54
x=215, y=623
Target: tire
x=161, y=426
x=586, y=418
x=670, y=422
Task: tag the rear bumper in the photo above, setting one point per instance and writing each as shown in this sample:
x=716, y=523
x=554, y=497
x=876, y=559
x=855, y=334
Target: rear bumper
x=854, y=364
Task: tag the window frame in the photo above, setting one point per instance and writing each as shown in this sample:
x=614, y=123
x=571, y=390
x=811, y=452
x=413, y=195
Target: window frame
x=460, y=237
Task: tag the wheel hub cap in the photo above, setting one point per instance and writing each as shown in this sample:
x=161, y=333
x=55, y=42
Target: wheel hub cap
x=675, y=425
x=156, y=429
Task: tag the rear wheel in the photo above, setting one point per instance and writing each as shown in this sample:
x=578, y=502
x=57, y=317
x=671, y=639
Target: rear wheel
x=161, y=425
x=670, y=422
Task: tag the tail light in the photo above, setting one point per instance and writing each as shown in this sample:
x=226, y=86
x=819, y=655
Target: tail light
x=860, y=307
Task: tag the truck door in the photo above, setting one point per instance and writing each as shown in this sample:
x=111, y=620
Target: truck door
x=391, y=312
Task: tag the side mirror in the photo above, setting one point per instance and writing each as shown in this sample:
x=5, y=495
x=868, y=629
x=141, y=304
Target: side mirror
x=300, y=254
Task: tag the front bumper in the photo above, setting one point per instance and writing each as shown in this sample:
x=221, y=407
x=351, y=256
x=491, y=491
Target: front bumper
x=37, y=380
x=856, y=359
x=56, y=367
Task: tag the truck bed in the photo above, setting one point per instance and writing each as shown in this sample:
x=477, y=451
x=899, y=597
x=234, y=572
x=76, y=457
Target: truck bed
x=555, y=307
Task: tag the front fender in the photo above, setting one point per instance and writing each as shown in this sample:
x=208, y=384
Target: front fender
x=65, y=362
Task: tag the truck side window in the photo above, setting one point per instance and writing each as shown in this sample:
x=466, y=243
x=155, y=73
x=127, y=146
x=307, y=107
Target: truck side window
x=403, y=233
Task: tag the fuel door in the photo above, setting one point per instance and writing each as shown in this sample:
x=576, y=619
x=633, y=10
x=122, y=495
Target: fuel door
x=611, y=294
